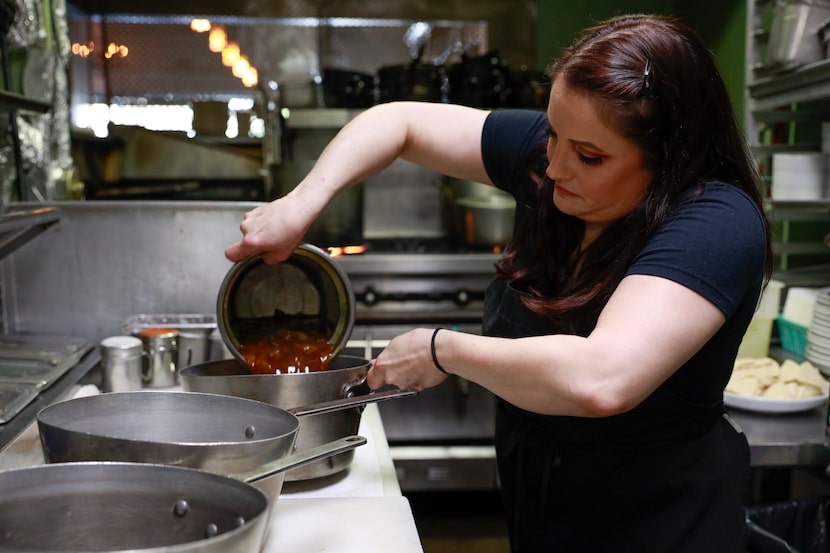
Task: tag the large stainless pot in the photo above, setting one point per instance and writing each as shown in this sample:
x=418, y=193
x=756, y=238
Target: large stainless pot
x=345, y=378
x=138, y=507
x=476, y=214
x=216, y=433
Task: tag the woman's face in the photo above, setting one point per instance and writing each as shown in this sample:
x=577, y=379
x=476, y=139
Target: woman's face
x=599, y=175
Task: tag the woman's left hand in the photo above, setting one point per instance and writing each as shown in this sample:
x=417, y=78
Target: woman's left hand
x=406, y=363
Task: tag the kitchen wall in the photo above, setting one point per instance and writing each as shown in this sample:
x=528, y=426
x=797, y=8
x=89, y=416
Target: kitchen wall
x=105, y=261
x=721, y=24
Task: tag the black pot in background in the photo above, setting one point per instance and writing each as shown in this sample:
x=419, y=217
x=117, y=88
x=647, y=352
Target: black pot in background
x=413, y=81
x=531, y=88
x=480, y=81
x=343, y=88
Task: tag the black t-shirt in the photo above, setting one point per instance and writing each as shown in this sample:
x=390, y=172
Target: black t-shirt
x=713, y=244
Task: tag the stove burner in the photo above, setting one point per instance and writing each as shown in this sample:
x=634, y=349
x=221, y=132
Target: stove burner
x=420, y=244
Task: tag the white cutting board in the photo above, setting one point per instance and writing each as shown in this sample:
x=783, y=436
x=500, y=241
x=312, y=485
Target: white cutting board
x=344, y=525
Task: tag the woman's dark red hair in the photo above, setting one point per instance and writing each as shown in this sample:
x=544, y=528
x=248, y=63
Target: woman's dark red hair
x=680, y=115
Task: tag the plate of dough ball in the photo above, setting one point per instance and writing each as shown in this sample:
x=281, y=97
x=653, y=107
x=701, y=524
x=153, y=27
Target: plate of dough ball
x=763, y=385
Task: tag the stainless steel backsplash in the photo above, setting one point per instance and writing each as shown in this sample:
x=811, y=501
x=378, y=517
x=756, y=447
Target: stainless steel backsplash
x=105, y=261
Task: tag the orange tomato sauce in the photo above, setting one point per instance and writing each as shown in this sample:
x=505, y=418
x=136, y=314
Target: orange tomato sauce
x=287, y=352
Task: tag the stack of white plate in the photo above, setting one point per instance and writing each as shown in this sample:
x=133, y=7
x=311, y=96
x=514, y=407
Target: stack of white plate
x=818, y=333
x=799, y=175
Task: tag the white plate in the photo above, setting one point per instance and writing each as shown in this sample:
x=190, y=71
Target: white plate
x=764, y=405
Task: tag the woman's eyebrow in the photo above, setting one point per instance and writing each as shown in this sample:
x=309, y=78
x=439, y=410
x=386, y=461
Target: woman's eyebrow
x=586, y=144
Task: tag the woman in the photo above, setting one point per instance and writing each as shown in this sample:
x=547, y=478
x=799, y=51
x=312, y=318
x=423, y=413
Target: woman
x=638, y=258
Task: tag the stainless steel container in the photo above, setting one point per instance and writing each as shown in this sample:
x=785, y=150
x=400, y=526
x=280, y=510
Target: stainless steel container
x=121, y=363
x=161, y=346
x=308, y=292
x=343, y=379
x=476, y=214
x=795, y=34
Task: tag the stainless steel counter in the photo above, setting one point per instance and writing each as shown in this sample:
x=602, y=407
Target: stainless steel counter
x=786, y=439
x=340, y=504
x=56, y=392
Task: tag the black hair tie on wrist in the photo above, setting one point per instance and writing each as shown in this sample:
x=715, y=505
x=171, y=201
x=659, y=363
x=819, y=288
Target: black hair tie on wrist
x=435, y=357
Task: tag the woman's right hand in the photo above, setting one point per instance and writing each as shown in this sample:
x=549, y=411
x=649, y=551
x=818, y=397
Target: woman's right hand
x=442, y=137
x=274, y=230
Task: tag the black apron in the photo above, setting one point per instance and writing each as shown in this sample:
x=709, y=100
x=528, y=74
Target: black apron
x=667, y=477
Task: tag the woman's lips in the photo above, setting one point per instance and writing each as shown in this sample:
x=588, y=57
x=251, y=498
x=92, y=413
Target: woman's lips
x=559, y=189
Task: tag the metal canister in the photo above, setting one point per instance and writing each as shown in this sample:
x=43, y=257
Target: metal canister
x=121, y=363
x=307, y=292
x=193, y=348
x=161, y=344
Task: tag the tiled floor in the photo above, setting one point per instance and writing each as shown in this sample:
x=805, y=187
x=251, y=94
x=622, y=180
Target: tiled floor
x=461, y=522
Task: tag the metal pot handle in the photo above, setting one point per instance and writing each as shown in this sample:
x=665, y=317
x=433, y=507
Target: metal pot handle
x=300, y=458
x=356, y=397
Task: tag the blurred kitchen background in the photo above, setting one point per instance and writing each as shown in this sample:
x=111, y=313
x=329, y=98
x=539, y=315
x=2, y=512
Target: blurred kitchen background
x=233, y=100
x=154, y=125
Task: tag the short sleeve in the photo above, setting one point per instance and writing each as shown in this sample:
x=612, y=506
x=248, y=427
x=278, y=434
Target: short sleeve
x=715, y=244
x=511, y=142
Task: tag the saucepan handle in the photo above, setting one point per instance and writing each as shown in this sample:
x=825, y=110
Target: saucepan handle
x=300, y=458
x=357, y=395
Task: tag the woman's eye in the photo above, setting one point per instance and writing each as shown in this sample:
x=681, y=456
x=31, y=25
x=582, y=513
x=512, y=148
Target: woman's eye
x=589, y=160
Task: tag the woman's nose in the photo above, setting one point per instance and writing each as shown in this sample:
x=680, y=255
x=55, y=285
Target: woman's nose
x=556, y=169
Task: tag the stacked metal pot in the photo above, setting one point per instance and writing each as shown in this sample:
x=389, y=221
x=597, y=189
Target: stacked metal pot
x=163, y=471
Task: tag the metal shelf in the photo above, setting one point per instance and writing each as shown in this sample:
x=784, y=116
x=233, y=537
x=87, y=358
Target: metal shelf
x=9, y=101
x=806, y=83
x=19, y=225
x=798, y=210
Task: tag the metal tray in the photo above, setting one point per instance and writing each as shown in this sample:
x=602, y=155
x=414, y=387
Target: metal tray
x=38, y=360
x=196, y=323
x=14, y=397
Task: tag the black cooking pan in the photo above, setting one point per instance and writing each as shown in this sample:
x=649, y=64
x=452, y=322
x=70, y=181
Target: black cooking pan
x=215, y=433
x=137, y=507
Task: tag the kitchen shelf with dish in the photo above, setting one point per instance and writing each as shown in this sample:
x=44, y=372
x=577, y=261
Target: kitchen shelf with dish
x=786, y=103
x=787, y=121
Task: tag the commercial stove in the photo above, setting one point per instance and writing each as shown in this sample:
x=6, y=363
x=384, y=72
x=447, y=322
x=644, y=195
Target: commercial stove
x=443, y=438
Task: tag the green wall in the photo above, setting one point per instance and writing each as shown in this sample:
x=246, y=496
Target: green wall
x=721, y=24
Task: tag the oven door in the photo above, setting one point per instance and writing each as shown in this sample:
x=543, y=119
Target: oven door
x=443, y=438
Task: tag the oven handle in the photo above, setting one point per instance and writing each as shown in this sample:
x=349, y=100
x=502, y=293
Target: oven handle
x=461, y=297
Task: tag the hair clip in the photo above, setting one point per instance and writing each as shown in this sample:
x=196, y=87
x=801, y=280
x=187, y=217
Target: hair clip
x=647, y=90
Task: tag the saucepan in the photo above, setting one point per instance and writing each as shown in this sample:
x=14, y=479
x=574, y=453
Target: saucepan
x=476, y=214
x=214, y=433
x=344, y=380
x=308, y=294
x=136, y=507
